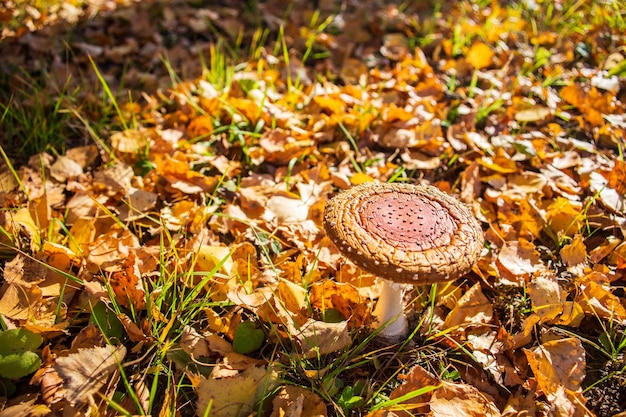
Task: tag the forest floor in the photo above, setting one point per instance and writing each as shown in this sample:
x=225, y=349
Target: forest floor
x=164, y=171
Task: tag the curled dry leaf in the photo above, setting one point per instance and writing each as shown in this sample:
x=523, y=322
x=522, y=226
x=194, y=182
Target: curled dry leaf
x=596, y=300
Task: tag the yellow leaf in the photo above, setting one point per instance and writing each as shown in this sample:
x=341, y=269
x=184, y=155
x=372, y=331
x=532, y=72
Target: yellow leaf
x=292, y=295
x=233, y=396
x=360, y=178
x=571, y=316
x=558, y=363
x=209, y=257
x=480, y=55
x=564, y=217
x=545, y=295
x=472, y=308
x=575, y=256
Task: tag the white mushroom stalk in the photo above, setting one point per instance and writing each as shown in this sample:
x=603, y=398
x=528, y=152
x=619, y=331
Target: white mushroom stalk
x=389, y=311
x=411, y=234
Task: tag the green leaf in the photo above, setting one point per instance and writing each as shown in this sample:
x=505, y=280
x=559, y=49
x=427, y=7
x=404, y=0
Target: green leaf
x=17, y=365
x=18, y=341
x=107, y=321
x=331, y=315
x=7, y=388
x=247, y=338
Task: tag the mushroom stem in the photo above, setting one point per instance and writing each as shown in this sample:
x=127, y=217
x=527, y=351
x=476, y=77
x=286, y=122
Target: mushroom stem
x=389, y=311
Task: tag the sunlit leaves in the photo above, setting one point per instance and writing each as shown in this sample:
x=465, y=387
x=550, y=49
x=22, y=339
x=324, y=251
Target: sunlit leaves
x=196, y=236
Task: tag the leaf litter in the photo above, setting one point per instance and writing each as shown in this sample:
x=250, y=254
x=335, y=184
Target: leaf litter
x=190, y=243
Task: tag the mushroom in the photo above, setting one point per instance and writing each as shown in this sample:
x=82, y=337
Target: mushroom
x=404, y=234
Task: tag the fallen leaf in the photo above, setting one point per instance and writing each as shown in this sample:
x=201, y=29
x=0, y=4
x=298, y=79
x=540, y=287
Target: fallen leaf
x=461, y=400
x=546, y=297
x=533, y=115
x=559, y=369
x=320, y=338
x=293, y=401
x=233, y=396
x=127, y=284
x=473, y=308
x=480, y=55
x=517, y=261
x=86, y=371
x=574, y=254
x=596, y=300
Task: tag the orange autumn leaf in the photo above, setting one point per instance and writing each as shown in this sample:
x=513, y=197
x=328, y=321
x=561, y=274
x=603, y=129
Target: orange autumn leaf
x=480, y=55
x=127, y=284
x=574, y=256
x=330, y=104
x=563, y=217
x=596, y=300
x=245, y=107
x=200, y=127
x=559, y=369
x=617, y=177
x=573, y=94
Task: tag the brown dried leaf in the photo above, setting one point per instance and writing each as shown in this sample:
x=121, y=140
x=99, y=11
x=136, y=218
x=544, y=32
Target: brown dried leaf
x=518, y=260
x=473, y=308
x=233, y=396
x=559, y=368
x=293, y=401
x=461, y=399
x=546, y=297
x=193, y=343
x=319, y=338
x=86, y=371
x=109, y=250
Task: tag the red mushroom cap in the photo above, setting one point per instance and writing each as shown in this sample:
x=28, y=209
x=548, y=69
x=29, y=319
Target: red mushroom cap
x=404, y=233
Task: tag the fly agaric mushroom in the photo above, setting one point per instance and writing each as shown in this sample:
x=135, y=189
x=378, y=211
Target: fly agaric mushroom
x=404, y=234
